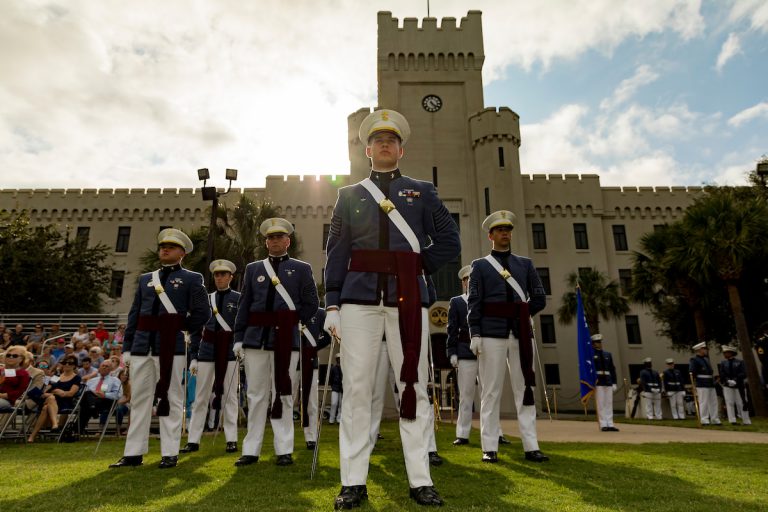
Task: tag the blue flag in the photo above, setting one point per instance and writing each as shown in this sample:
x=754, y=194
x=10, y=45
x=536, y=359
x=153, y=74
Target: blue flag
x=587, y=375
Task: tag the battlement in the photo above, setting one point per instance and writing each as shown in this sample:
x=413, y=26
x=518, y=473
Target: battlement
x=491, y=124
x=430, y=47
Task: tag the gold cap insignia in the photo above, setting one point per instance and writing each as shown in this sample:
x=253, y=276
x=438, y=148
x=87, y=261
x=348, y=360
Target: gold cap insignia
x=385, y=115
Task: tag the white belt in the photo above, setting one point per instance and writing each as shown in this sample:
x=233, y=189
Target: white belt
x=220, y=319
x=603, y=373
x=704, y=376
x=511, y=281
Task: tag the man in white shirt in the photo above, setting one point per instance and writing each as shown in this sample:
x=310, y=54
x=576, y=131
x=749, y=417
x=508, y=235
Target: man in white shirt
x=100, y=392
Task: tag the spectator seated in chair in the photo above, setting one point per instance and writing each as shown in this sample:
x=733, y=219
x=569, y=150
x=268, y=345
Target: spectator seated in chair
x=88, y=370
x=60, y=395
x=14, y=379
x=37, y=381
x=100, y=392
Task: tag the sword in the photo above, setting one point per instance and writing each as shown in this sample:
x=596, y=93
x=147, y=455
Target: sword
x=541, y=371
x=106, y=423
x=186, y=382
x=435, y=403
x=334, y=340
x=695, y=397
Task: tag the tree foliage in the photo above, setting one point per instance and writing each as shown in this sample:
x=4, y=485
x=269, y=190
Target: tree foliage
x=601, y=297
x=43, y=271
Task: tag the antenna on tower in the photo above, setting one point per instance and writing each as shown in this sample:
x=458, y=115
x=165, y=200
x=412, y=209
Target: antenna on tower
x=427, y=8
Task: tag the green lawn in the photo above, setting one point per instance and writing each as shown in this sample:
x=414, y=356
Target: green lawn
x=580, y=477
x=758, y=424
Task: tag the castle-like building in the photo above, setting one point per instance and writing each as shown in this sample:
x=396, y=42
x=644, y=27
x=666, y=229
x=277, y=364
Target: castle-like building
x=433, y=75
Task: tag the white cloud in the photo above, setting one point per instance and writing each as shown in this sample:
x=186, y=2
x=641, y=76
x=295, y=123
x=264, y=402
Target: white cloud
x=756, y=11
x=731, y=47
x=748, y=114
x=644, y=75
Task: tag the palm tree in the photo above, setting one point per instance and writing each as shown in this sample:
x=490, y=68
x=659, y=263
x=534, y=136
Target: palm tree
x=728, y=229
x=600, y=295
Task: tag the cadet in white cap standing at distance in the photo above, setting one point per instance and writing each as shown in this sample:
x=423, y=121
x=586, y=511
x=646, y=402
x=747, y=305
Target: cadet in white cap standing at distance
x=386, y=231
x=505, y=291
x=650, y=383
x=168, y=301
x=673, y=384
x=605, y=384
x=733, y=379
x=278, y=292
x=213, y=361
x=704, y=380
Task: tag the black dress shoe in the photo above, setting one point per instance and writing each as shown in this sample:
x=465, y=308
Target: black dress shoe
x=504, y=440
x=612, y=429
x=435, y=459
x=190, y=447
x=460, y=441
x=247, y=460
x=284, y=460
x=426, y=495
x=136, y=460
x=350, y=497
x=168, y=462
x=491, y=457
x=231, y=446
x=604, y=429
x=310, y=445
x=536, y=456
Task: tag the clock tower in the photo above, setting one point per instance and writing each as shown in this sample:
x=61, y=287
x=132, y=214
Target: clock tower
x=433, y=76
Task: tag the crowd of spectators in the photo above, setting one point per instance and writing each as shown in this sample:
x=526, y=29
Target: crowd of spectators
x=55, y=368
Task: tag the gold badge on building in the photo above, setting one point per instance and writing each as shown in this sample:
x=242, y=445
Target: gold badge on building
x=438, y=316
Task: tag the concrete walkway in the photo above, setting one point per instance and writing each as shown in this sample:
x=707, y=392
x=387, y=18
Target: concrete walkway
x=588, y=432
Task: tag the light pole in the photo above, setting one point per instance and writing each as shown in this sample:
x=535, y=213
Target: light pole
x=212, y=195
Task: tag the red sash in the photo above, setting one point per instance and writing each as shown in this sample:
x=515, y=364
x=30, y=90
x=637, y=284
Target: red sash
x=520, y=311
x=221, y=341
x=406, y=266
x=168, y=326
x=284, y=321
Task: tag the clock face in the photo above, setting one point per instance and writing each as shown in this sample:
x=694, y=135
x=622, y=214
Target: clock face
x=432, y=103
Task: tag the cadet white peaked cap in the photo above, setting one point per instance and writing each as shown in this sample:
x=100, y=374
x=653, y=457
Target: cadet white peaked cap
x=647, y=360
x=697, y=346
x=597, y=337
x=276, y=225
x=176, y=237
x=464, y=272
x=669, y=360
x=384, y=121
x=222, y=266
x=729, y=348
x=499, y=218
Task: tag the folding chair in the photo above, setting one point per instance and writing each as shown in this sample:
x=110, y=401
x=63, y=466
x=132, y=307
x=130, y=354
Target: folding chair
x=13, y=412
x=72, y=414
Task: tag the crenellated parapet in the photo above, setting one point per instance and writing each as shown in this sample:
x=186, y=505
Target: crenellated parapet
x=447, y=47
x=491, y=125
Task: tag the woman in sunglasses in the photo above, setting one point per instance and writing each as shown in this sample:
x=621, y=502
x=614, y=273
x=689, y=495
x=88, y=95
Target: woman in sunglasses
x=13, y=378
x=59, y=395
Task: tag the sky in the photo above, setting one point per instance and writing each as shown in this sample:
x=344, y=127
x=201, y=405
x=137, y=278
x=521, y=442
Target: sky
x=115, y=94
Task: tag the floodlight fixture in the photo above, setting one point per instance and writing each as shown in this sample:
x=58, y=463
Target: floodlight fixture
x=203, y=174
x=231, y=174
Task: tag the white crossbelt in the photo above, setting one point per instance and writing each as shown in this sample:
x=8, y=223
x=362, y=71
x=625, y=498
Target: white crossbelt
x=223, y=323
x=507, y=277
x=286, y=297
x=394, y=215
x=160, y=291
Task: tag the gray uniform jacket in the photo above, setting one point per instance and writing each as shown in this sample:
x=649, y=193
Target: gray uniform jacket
x=458, y=330
x=227, y=305
x=702, y=371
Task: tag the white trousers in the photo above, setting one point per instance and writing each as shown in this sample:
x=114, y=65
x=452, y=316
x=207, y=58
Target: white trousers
x=363, y=328
x=708, y=405
x=203, y=392
x=259, y=369
x=467, y=381
x=604, y=401
x=380, y=386
x=145, y=372
x=735, y=406
x=492, y=362
x=335, y=414
x=310, y=432
x=652, y=405
x=677, y=404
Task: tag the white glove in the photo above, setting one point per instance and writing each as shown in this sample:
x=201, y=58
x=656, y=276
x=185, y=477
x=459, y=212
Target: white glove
x=238, y=350
x=126, y=358
x=333, y=323
x=476, y=345
x=615, y=388
x=732, y=383
x=455, y=361
x=193, y=367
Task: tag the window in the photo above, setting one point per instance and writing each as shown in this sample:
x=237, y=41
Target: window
x=116, y=286
x=625, y=280
x=633, y=330
x=123, y=237
x=544, y=276
x=487, y=201
x=547, y=328
x=620, y=237
x=326, y=230
x=434, y=176
x=584, y=271
x=580, y=236
x=658, y=227
x=83, y=233
x=446, y=279
x=552, y=374
x=501, y=157
x=539, y=236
